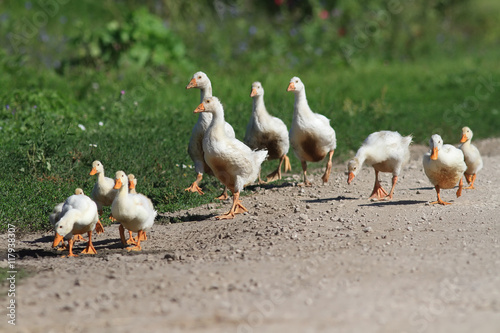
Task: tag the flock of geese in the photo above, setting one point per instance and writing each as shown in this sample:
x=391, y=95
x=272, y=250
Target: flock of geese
x=216, y=151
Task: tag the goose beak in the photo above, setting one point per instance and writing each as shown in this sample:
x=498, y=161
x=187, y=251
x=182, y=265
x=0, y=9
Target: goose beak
x=118, y=184
x=291, y=87
x=200, y=108
x=464, y=138
x=350, y=178
x=58, y=239
x=191, y=84
x=93, y=171
x=253, y=93
x=434, y=155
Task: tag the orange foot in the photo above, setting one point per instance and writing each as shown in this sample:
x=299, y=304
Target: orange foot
x=99, y=229
x=194, y=188
x=237, y=208
x=275, y=175
x=379, y=193
x=79, y=238
x=306, y=183
x=223, y=196
x=89, y=249
x=441, y=202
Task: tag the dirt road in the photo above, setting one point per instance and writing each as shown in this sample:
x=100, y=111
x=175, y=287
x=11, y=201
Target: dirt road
x=318, y=259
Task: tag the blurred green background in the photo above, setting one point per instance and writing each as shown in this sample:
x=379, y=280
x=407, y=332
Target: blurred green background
x=86, y=80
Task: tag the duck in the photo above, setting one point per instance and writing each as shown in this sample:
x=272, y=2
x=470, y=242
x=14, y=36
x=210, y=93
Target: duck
x=233, y=162
x=385, y=151
x=78, y=215
x=267, y=132
x=472, y=157
x=201, y=81
x=444, y=165
x=56, y=215
x=311, y=136
x=132, y=184
x=102, y=192
x=134, y=211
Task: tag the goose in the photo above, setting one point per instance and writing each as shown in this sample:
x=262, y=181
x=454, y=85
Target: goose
x=134, y=211
x=385, y=151
x=233, y=163
x=444, y=165
x=56, y=215
x=201, y=81
x=132, y=184
x=267, y=132
x=311, y=135
x=472, y=157
x=78, y=215
x=103, y=192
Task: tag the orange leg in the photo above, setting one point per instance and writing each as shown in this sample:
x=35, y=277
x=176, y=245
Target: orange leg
x=328, y=167
x=378, y=191
x=236, y=208
x=90, y=247
x=137, y=247
x=460, y=186
x=304, y=172
x=224, y=195
x=288, y=166
x=470, y=180
x=394, y=182
x=79, y=238
x=121, y=229
x=131, y=239
x=71, y=254
x=439, y=201
x=276, y=174
x=99, y=229
x=194, y=186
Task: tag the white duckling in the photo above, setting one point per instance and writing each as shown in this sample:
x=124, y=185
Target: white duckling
x=132, y=184
x=56, y=215
x=472, y=157
x=311, y=135
x=103, y=192
x=201, y=81
x=385, y=151
x=444, y=165
x=78, y=215
x=233, y=163
x=267, y=132
x=133, y=211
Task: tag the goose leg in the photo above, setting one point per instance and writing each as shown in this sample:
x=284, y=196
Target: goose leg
x=99, y=229
x=137, y=247
x=121, y=229
x=260, y=179
x=194, y=186
x=394, y=182
x=276, y=174
x=236, y=208
x=79, y=238
x=131, y=239
x=470, y=180
x=328, y=167
x=304, y=171
x=378, y=192
x=70, y=245
x=90, y=247
x=288, y=166
x=224, y=195
x=439, y=201
x=460, y=186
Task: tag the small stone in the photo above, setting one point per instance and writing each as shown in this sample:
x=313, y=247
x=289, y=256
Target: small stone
x=368, y=229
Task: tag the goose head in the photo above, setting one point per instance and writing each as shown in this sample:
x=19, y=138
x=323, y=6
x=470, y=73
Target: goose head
x=121, y=180
x=435, y=143
x=257, y=89
x=466, y=134
x=78, y=191
x=132, y=182
x=295, y=85
x=199, y=80
x=352, y=169
x=97, y=168
x=209, y=104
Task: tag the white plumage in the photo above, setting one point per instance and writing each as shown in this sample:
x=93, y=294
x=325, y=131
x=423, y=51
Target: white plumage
x=472, y=157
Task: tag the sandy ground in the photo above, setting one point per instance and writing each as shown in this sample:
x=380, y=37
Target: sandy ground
x=318, y=259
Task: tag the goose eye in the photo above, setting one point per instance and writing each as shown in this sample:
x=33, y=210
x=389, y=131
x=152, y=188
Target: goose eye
x=199, y=77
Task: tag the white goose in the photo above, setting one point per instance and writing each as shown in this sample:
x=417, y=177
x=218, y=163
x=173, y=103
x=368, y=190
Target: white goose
x=444, y=165
x=311, y=135
x=233, y=163
x=201, y=81
x=385, y=151
x=472, y=157
x=56, y=215
x=103, y=192
x=133, y=211
x=78, y=215
x=132, y=184
x=267, y=132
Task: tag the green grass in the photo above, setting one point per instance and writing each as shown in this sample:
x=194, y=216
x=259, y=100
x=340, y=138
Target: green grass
x=145, y=131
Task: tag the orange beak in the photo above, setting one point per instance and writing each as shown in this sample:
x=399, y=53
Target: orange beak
x=464, y=138
x=291, y=87
x=93, y=171
x=191, y=84
x=200, y=108
x=118, y=184
x=253, y=93
x=434, y=155
x=58, y=239
x=350, y=178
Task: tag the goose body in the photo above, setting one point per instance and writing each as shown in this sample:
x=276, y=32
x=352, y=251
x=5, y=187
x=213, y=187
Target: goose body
x=444, y=165
x=311, y=136
x=195, y=148
x=233, y=163
x=472, y=157
x=385, y=151
x=78, y=215
x=55, y=216
x=134, y=211
x=267, y=132
x=102, y=192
